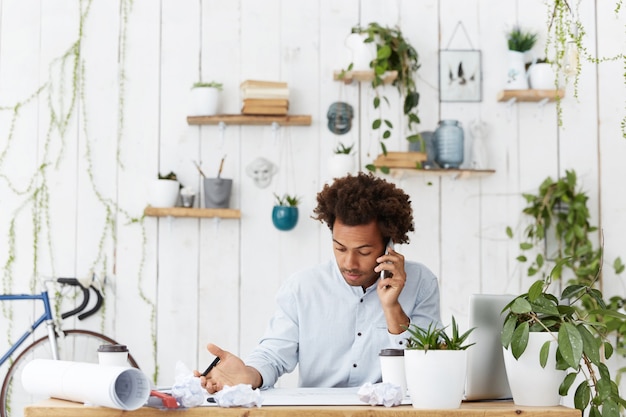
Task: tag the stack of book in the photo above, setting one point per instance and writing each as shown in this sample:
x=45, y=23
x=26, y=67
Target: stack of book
x=265, y=97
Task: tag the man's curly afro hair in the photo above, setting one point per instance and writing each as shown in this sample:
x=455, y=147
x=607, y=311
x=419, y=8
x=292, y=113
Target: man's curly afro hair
x=363, y=198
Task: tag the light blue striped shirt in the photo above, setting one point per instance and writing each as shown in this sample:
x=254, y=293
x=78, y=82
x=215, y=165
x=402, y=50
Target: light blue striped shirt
x=335, y=331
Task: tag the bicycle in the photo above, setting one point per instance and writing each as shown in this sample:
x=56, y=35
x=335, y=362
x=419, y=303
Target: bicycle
x=75, y=345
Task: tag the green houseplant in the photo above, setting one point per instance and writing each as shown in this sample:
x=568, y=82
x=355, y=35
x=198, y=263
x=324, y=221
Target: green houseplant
x=442, y=356
x=393, y=53
x=518, y=41
x=285, y=211
x=341, y=162
x=579, y=339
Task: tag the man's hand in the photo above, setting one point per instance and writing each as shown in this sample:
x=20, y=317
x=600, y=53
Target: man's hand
x=389, y=290
x=229, y=371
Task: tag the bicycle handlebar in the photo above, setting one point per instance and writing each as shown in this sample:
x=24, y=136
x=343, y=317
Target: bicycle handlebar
x=99, y=299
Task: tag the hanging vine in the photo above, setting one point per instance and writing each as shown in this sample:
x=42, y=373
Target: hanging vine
x=62, y=91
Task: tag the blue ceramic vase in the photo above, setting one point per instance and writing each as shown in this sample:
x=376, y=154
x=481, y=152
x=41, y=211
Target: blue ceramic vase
x=449, y=144
x=285, y=217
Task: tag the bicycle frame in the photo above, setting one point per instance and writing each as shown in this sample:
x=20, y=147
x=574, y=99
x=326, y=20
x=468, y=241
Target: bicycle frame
x=46, y=317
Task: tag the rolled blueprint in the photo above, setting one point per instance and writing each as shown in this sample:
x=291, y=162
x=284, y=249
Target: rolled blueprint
x=118, y=387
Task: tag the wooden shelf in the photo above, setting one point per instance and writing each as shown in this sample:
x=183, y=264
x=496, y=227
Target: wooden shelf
x=451, y=172
x=244, y=119
x=530, y=95
x=223, y=213
x=361, y=76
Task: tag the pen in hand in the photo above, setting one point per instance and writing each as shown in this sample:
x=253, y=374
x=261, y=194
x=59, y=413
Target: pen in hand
x=211, y=366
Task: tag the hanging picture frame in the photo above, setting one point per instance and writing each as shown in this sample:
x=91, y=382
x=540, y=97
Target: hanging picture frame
x=460, y=75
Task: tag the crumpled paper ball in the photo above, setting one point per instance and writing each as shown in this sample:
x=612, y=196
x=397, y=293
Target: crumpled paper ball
x=241, y=395
x=382, y=393
x=187, y=389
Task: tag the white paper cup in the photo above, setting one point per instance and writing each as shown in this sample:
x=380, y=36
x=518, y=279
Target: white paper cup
x=392, y=367
x=113, y=355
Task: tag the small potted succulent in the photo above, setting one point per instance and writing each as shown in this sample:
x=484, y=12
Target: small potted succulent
x=435, y=365
x=205, y=98
x=518, y=41
x=341, y=162
x=163, y=191
x=285, y=212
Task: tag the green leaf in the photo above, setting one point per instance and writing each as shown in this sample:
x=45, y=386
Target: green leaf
x=388, y=123
x=521, y=306
x=519, y=341
x=526, y=246
x=570, y=344
x=535, y=290
x=543, y=354
x=384, y=52
x=509, y=232
x=386, y=134
x=567, y=383
x=582, y=396
x=591, y=346
x=385, y=170
x=610, y=409
x=507, y=330
x=376, y=124
x=376, y=102
x=370, y=167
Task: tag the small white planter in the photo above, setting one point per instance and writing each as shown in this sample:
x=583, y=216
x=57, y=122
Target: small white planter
x=530, y=383
x=541, y=76
x=340, y=164
x=163, y=193
x=435, y=379
x=204, y=101
x=362, y=53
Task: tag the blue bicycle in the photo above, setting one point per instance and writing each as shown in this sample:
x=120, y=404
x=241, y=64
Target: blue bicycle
x=74, y=345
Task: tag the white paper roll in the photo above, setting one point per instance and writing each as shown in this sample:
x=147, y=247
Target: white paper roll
x=109, y=386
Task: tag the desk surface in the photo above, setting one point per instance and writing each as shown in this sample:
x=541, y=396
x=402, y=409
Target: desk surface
x=60, y=408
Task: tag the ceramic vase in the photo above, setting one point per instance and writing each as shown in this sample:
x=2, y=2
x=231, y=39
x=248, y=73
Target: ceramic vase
x=435, y=379
x=449, y=142
x=516, y=71
x=163, y=193
x=530, y=383
x=204, y=101
x=284, y=217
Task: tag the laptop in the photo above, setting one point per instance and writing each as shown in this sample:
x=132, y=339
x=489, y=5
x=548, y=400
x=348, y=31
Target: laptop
x=486, y=377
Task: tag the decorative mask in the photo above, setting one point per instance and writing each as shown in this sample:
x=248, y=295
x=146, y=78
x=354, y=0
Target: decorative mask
x=261, y=171
x=340, y=116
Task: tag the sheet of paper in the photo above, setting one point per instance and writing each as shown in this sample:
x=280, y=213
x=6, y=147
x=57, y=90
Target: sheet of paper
x=109, y=386
x=312, y=396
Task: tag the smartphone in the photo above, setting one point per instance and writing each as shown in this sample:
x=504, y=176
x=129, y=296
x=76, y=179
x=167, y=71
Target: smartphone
x=389, y=244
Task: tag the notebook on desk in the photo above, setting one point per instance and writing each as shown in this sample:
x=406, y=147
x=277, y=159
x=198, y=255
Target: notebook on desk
x=486, y=376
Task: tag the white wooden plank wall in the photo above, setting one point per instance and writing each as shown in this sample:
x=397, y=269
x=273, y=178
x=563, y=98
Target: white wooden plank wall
x=215, y=280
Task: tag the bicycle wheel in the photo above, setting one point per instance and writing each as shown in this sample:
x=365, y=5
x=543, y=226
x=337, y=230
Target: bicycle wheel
x=74, y=345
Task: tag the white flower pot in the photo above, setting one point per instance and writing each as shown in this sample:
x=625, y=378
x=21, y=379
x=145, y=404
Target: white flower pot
x=435, y=379
x=541, y=76
x=516, y=71
x=530, y=383
x=339, y=165
x=362, y=53
x=204, y=101
x=163, y=193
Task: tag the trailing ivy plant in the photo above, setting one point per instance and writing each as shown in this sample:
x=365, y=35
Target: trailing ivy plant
x=393, y=53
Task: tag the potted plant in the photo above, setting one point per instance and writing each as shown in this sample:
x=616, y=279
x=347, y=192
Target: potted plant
x=435, y=365
x=205, y=98
x=285, y=212
x=541, y=75
x=574, y=342
x=341, y=162
x=163, y=192
x=519, y=41
x=393, y=53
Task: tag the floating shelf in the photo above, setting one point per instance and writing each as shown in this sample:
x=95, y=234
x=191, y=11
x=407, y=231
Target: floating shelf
x=360, y=76
x=530, y=95
x=223, y=213
x=451, y=172
x=244, y=119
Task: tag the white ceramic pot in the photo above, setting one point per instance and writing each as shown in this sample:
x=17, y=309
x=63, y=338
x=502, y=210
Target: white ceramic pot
x=339, y=165
x=163, y=193
x=362, y=53
x=516, y=71
x=530, y=383
x=541, y=76
x=435, y=379
x=204, y=101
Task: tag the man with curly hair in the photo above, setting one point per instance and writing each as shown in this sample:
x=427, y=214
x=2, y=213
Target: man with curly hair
x=333, y=319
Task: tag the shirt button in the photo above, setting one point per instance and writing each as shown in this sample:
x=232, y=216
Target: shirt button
x=354, y=365
x=358, y=334
x=400, y=342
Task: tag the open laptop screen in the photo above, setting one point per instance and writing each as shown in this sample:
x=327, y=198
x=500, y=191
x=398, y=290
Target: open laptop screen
x=486, y=376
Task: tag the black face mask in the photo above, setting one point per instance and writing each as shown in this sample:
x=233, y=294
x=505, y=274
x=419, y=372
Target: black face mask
x=340, y=116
